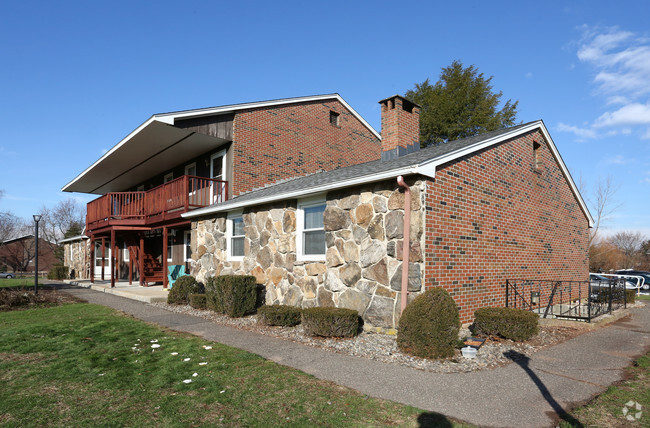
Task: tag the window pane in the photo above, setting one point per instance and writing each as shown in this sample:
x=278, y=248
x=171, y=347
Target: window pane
x=237, y=246
x=237, y=226
x=314, y=242
x=314, y=217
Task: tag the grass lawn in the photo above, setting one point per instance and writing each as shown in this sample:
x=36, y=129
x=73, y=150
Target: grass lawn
x=19, y=282
x=606, y=410
x=643, y=297
x=86, y=365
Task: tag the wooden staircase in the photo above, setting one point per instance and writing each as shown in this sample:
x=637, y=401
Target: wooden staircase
x=153, y=269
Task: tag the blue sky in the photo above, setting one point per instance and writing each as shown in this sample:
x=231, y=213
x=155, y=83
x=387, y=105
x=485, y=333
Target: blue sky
x=79, y=76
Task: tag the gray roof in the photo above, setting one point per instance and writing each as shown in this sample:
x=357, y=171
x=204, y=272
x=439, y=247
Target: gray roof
x=346, y=174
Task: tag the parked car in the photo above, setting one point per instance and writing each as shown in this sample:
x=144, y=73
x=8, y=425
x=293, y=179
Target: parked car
x=603, y=281
x=643, y=274
x=8, y=275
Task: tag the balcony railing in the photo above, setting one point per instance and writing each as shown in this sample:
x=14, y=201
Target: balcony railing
x=165, y=202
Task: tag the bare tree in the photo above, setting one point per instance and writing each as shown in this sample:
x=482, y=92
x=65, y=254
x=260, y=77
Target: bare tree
x=57, y=221
x=630, y=244
x=10, y=226
x=602, y=203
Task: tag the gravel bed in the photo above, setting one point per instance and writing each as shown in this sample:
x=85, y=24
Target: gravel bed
x=382, y=347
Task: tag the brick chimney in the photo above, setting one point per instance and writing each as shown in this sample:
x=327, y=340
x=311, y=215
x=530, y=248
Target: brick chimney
x=400, y=127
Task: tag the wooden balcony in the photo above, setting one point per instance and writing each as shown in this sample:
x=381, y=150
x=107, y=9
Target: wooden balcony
x=158, y=205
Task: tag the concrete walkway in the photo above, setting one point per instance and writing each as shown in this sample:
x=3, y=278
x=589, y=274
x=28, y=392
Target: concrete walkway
x=151, y=294
x=528, y=392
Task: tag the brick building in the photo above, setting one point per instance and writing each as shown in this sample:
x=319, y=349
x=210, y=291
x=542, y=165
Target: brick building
x=314, y=209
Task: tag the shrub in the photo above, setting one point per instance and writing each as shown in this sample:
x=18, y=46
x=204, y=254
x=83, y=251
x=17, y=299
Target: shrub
x=330, y=322
x=58, y=272
x=283, y=315
x=630, y=295
x=179, y=294
x=429, y=325
x=234, y=295
x=198, y=301
x=509, y=323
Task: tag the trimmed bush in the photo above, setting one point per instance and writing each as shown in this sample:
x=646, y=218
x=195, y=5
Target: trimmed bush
x=233, y=295
x=630, y=295
x=179, y=294
x=58, y=272
x=429, y=325
x=330, y=322
x=509, y=323
x=283, y=315
x=198, y=301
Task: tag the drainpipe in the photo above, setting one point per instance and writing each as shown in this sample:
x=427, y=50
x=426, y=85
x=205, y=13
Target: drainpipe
x=406, y=249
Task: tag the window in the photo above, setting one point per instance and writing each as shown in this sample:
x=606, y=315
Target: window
x=188, y=246
x=311, y=233
x=190, y=169
x=168, y=177
x=170, y=245
x=125, y=252
x=140, y=188
x=334, y=118
x=235, y=233
x=218, y=172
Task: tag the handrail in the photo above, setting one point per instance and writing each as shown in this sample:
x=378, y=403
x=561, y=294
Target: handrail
x=178, y=195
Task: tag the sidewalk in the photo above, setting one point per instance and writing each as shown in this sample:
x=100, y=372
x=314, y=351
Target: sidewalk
x=528, y=392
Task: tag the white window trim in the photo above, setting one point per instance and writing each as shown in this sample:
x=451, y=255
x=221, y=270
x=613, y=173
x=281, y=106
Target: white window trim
x=300, y=228
x=187, y=167
x=229, y=230
x=125, y=253
x=170, y=252
x=187, y=238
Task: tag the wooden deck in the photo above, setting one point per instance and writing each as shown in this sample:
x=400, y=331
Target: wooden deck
x=156, y=206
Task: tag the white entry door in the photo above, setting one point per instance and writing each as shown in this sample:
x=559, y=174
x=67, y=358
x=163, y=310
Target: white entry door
x=98, y=260
x=218, y=172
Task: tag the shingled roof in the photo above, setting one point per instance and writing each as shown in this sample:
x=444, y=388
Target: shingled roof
x=423, y=162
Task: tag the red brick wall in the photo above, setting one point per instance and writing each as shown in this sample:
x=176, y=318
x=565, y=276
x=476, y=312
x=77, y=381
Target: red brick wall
x=271, y=144
x=493, y=216
x=399, y=127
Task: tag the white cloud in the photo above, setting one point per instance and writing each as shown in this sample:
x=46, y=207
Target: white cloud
x=618, y=160
x=617, y=99
x=581, y=133
x=631, y=114
x=529, y=75
x=646, y=136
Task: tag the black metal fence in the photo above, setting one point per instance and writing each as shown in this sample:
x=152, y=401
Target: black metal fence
x=579, y=300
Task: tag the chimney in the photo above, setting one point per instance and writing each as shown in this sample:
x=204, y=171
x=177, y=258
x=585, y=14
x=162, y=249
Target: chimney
x=400, y=127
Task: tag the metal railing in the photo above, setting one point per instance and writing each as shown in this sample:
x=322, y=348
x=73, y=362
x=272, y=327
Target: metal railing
x=579, y=300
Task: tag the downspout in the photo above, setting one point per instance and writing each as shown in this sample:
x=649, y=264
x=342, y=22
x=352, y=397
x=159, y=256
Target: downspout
x=406, y=249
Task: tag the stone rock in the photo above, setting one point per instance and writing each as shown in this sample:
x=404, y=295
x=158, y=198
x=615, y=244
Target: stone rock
x=330, y=239
x=293, y=296
x=335, y=219
x=260, y=220
x=391, y=249
x=376, y=227
x=385, y=292
x=371, y=252
x=350, y=252
x=276, y=214
x=309, y=303
x=415, y=232
x=394, y=224
x=265, y=235
x=333, y=257
x=380, y=312
x=289, y=260
x=208, y=240
x=289, y=221
x=344, y=234
x=308, y=286
x=350, y=274
x=278, y=260
x=277, y=228
x=377, y=272
x=220, y=224
x=264, y=258
x=366, y=197
x=339, y=245
x=415, y=253
x=249, y=264
x=360, y=234
x=349, y=202
x=363, y=214
x=206, y=261
x=313, y=269
x=276, y=275
x=332, y=281
x=325, y=298
x=414, y=281
x=379, y=204
x=353, y=299
x=367, y=287
x=396, y=200
x=201, y=250
x=284, y=244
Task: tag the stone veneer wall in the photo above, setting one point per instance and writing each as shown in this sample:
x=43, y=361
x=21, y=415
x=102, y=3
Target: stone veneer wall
x=362, y=270
x=80, y=260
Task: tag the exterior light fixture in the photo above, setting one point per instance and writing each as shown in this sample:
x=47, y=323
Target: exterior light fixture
x=37, y=218
x=534, y=297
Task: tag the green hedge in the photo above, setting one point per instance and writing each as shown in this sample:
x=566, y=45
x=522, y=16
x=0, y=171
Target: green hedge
x=179, y=294
x=233, y=295
x=330, y=322
x=58, y=272
x=198, y=301
x=282, y=315
x=630, y=295
x=509, y=323
x=429, y=325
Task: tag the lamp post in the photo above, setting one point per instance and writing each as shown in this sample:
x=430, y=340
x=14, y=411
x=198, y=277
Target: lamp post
x=37, y=218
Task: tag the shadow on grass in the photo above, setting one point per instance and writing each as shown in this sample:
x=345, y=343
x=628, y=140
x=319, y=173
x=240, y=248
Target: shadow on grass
x=523, y=361
x=434, y=420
